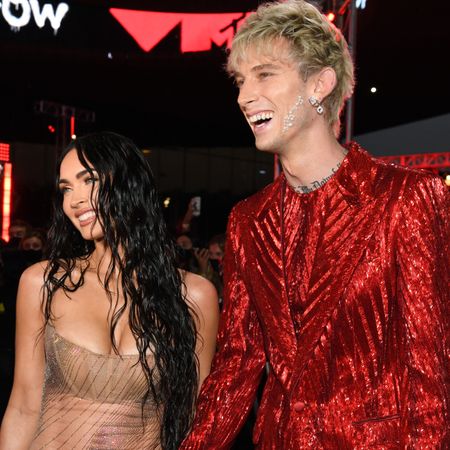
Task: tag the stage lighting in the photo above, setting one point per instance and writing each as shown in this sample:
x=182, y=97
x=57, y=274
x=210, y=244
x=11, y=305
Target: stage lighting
x=331, y=16
x=6, y=201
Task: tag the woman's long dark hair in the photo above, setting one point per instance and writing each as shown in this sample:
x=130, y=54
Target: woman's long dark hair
x=129, y=211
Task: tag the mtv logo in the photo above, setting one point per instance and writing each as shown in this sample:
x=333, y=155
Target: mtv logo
x=198, y=30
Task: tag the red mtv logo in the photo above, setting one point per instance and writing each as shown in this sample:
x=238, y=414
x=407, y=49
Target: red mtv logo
x=198, y=31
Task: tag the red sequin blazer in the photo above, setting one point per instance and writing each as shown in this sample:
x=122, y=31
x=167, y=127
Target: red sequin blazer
x=345, y=297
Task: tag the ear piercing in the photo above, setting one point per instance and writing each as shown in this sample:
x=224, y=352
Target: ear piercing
x=315, y=103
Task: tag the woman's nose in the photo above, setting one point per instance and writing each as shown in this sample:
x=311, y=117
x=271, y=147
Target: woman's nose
x=78, y=198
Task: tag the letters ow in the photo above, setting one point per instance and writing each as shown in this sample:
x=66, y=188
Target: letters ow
x=32, y=6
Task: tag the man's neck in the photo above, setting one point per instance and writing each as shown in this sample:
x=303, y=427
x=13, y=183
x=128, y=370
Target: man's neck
x=316, y=184
x=311, y=164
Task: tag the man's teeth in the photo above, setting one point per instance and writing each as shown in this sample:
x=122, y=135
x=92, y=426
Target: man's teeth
x=261, y=116
x=86, y=216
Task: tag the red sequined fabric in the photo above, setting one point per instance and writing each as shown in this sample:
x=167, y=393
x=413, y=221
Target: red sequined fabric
x=344, y=292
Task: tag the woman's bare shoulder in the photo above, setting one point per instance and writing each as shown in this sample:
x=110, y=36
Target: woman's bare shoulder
x=33, y=276
x=30, y=295
x=199, y=291
x=198, y=287
x=202, y=297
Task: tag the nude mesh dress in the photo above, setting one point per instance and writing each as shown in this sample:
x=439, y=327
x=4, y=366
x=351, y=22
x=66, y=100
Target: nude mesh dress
x=93, y=401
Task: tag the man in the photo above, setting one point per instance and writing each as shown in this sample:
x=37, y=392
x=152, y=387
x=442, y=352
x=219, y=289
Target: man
x=336, y=274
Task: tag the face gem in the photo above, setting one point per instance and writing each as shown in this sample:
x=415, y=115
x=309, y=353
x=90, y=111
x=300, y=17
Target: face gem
x=290, y=117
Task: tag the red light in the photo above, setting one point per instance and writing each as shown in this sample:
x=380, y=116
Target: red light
x=4, y=152
x=51, y=128
x=6, y=203
x=331, y=16
x=72, y=125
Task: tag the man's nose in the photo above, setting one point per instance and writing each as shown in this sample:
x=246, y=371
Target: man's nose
x=247, y=95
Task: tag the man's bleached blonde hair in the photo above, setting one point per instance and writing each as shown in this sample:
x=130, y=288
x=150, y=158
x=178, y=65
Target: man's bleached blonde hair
x=314, y=43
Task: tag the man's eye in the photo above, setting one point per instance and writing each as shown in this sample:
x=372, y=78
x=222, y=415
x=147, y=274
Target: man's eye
x=265, y=74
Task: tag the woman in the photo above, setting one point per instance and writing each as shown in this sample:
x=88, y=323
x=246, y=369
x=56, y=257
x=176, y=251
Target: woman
x=112, y=337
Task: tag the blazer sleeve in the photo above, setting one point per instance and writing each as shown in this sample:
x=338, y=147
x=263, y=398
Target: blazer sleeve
x=229, y=391
x=423, y=288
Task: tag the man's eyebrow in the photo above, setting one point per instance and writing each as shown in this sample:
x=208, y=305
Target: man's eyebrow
x=257, y=68
x=264, y=67
x=79, y=175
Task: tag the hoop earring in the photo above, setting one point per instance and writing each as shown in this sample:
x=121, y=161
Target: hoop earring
x=316, y=104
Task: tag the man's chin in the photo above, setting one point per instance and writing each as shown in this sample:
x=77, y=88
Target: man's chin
x=266, y=147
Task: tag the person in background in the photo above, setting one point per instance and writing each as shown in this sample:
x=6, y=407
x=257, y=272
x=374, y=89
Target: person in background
x=206, y=262
x=188, y=225
x=210, y=260
x=33, y=240
x=16, y=257
x=186, y=259
x=216, y=251
x=24, y=249
x=336, y=274
x=112, y=340
x=17, y=230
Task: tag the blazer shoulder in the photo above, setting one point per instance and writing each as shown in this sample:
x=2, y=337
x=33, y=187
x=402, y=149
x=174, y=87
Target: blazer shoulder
x=404, y=173
x=408, y=179
x=252, y=206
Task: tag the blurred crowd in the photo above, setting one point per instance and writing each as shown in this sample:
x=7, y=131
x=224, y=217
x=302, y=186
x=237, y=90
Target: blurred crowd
x=24, y=248
x=197, y=255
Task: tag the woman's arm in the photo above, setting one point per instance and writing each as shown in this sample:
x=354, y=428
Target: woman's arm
x=202, y=296
x=21, y=416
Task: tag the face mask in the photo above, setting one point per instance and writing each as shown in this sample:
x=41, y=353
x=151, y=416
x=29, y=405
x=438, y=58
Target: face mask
x=32, y=256
x=14, y=242
x=215, y=264
x=182, y=253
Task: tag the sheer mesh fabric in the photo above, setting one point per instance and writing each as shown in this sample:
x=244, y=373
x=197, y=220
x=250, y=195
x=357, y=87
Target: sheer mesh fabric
x=93, y=401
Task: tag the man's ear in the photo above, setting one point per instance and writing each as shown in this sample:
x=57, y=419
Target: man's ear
x=324, y=83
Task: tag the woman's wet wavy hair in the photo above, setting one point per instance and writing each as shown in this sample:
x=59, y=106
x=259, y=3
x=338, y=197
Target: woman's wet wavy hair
x=129, y=211
x=314, y=43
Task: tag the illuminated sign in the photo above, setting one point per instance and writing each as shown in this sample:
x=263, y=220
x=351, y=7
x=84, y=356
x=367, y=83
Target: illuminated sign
x=4, y=152
x=6, y=203
x=198, y=30
x=17, y=13
x=361, y=4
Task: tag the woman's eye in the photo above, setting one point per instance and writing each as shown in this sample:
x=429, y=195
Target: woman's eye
x=91, y=180
x=64, y=189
